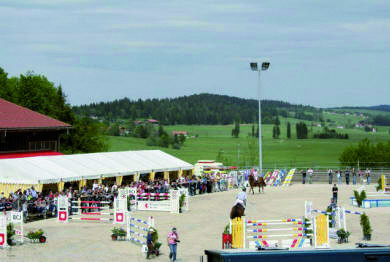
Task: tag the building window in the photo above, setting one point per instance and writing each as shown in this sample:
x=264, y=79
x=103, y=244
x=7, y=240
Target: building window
x=42, y=146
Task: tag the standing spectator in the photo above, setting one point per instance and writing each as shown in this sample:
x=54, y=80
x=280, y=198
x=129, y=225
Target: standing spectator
x=353, y=176
x=310, y=173
x=361, y=176
x=368, y=176
x=330, y=174
x=338, y=177
x=303, y=176
x=347, y=176
x=173, y=239
x=334, y=191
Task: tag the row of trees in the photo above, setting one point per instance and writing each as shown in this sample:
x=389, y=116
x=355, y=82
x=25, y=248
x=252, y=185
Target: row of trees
x=201, y=109
x=37, y=93
x=366, y=154
x=301, y=130
x=330, y=133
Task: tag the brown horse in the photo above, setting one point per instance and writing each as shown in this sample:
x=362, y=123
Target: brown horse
x=253, y=183
x=237, y=211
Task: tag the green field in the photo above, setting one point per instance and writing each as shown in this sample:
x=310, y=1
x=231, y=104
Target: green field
x=277, y=152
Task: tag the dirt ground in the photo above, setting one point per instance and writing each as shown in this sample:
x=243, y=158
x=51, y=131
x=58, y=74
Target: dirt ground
x=199, y=229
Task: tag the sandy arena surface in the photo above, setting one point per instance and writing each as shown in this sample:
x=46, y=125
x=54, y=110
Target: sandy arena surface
x=199, y=229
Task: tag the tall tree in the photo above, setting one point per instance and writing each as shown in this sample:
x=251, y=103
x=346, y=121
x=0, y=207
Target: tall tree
x=236, y=129
x=301, y=130
x=288, y=130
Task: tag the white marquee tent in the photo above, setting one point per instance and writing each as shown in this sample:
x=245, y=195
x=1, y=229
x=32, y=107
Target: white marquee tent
x=68, y=168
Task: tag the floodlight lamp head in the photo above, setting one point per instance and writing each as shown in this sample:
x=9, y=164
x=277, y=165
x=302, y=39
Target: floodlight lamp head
x=265, y=65
x=253, y=66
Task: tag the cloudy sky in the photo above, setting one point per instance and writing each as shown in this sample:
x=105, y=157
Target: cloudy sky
x=323, y=53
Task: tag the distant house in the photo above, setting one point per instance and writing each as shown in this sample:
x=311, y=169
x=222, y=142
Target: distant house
x=147, y=121
x=178, y=133
x=152, y=121
x=123, y=131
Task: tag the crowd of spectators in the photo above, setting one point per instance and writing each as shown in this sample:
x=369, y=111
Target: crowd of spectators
x=42, y=204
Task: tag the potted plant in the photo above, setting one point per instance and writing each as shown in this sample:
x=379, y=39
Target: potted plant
x=360, y=197
x=366, y=227
x=181, y=202
x=308, y=231
x=35, y=236
x=10, y=234
x=226, y=237
x=118, y=233
x=343, y=236
x=379, y=186
x=156, y=244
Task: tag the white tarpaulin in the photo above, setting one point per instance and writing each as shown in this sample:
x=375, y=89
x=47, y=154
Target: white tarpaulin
x=53, y=169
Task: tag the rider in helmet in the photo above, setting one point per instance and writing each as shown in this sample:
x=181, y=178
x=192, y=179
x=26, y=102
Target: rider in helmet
x=241, y=198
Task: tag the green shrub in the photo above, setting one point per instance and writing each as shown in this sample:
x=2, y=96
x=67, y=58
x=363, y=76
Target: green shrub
x=181, y=200
x=379, y=186
x=227, y=229
x=10, y=233
x=35, y=234
x=120, y=232
x=360, y=197
x=366, y=226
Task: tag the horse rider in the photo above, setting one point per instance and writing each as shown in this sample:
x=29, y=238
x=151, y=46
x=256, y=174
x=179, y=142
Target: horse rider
x=241, y=198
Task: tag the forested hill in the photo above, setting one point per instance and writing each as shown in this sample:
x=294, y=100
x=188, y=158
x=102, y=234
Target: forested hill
x=385, y=108
x=194, y=109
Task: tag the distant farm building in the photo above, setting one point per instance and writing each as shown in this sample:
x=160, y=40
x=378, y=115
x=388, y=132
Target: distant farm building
x=178, y=133
x=147, y=121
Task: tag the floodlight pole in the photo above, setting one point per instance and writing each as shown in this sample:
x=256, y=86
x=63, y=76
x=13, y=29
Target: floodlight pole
x=260, y=138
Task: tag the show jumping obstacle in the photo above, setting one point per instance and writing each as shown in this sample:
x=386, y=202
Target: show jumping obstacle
x=289, y=177
x=252, y=232
x=375, y=199
x=3, y=231
x=93, y=211
x=137, y=230
x=16, y=218
x=340, y=212
x=168, y=202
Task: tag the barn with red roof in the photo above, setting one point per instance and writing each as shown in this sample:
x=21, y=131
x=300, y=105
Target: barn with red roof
x=25, y=132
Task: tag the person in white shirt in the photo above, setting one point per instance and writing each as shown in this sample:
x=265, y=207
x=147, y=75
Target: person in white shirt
x=241, y=198
x=95, y=185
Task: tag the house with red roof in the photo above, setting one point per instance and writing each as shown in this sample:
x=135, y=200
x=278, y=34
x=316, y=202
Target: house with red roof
x=178, y=133
x=27, y=133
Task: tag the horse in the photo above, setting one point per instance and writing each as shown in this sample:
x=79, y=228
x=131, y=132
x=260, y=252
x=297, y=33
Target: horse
x=253, y=183
x=237, y=211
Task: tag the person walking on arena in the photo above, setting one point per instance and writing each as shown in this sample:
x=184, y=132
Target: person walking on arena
x=330, y=174
x=335, y=191
x=347, y=176
x=303, y=176
x=173, y=239
x=368, y=176
x=310, y=173
x=338, y=177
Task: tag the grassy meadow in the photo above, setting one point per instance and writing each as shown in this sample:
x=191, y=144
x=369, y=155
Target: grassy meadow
x=276, y=152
